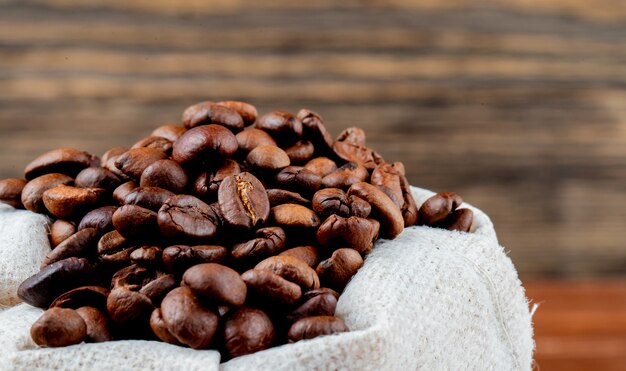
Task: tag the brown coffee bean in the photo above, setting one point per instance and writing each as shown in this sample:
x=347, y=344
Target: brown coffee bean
x=94, y=296
x=151, y=198
x=458, y=220
x=114, y=248
x=387, y=179
x=315, y=131
x=336, y=271
x=409, y=209
x=42, y=288
x=166, y=174
x=217, y=283
x=58, y=327
x=383, y=208
x=204, y=144
x=321, y=166
x=111, y=154
x=323, y=304
x=147, y=256
x=179, y=258
x=159, y=286
x=300, y=152
x=159, y=327
x=243, y=201
x=353, y=135
x=353, y=232
x=97, y=323
x=307, y=254
x=359, y=154
x=187, y=320
x=247, y=111
x=282, y=196
x=359, y=207
x=129, y=307
x=162, y=144
x=133, y=221
x=246, y=331
x=312, y=327
x=80, y=244
x=97, y=177
x=205, y=113
x=32, y=194
x=269, y=241
x=268, y=158
x=120, y=193
x=67, y=202
x=435, y=209
x=251, y=138
x=292, y=215
x=101, y=219
x=134, y=161
x=11, y=192
x=187, y=217
x=208, y=182
x=282, y=126
x=329, y=201
x=345, y=176
x=60, y=230
x=68, y=161
x=291, y=269
x=299, y=179
x=171, y=132
x=132, y=277
x=270, y=286
x=322, y=290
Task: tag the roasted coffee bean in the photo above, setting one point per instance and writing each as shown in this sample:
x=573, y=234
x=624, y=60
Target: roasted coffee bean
x=133, y=221
x=323, y=304
x=217, y=283
x=246, y=331
x=166, y=174
x=94, y=296
x=458, y=220
x=329, y=201
x=147, y=256
x=204, y=144
x=187, y=217
x=157, y=288
x=269, y=241
x=387, y=179
x=251, y=138
x=268, y=158
x=294, y=216
x=302, y=151
x=179, y=258
x=67, y=202
x=345, y=176
x=32, y=194
x=243, y=201
x=42, y=288
x=247, y=111
x=383, y=208
x=134, y=161
x=58, y=327
x=336, y=271
x=307, y=254
x=299, y=179
x=151, y=198
x=162, y=144
x=321, y=166
x=132, y=277
x=282, y=126
x=315, y=131
x=291, y=269
x=187, y=320
x=97, y=322
x=159, y=327
x=208, y=182
x=435, y=209
x=282, y=196
x=111, y=154
x=81, y=244
x=312, y=327
x=114, y=248
x=409, y=210
x=129, y=307
x=11, y=192
x=354, y=153
x=353, y=232
x=272, y=287
x=171, y=132
x=359, y=207
x=322, y=290
x=60, y=230
x=101, y=219
x=353, y=135
x=68, y=161
x=97, y=177
x=120, y=193
x=205, y=113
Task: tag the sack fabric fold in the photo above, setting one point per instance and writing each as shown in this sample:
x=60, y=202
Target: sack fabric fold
x=431, y=299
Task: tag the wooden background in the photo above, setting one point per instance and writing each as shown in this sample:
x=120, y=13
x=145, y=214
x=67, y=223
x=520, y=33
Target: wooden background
x=519, y=106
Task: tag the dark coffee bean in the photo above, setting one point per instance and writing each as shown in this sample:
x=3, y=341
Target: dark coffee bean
x=312, y=327
x=359, y=154
x=171, y=132
x=100, y=219
x=151, y=198
x=247, y=111
x=345, y=176
x=159, y=327
x=321, y=166
x=217, y=283
x=58, y=327
x=291, y=269
x=132, y=277
x=60, y=230
x=307, y=254
x=438, y=207
x=329, y=201
x=243, y=201
x=187, y=320
x=159, y=286
x=353, y=232
x=353, y=135
x=268, y=158
x=97, y=322
x=68, y=161
x=166, y=174
x=336, y=271
x=299, y=179
x=282, y=196
x=11, y=192
x=409, y=208
x=204, y=144
x=67, y=202
x=205, y=113
x=162, y=144
x=120, y=193
x=387, y=179
x=134, y=161
x=272, y=287
x=269, y=241
x=97, y=177
x=282, y=126
x=319, y=305
x=187, y=217
x=251, y=138
x=322, y=290
x=133, y=221
x=302, y=151
x=129, y=307
x=208, y=182
x=51, y=281
x=114, y=248
x=147, y=256
x=32, y=194
x=246, y=331
x=294, y=216
x=359, y=207
x=80, y=244
x=458, y=220
x=315, y=131
x=383, y=208
x=179, y=258
x=111, y=154
x=93, y=296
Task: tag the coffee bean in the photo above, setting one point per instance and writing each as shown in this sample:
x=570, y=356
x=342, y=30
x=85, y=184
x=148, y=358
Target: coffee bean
x=322, y=290
x=387, y=179
x=110, y=155
x=291, y=269
x=298, y=179
x=329, y=201
x=97, y=177
x=345, y=176
x=151, y=198
x=243, y=201
x=114, y=248
x=272, y=287
x=282, y=126
x=187, y=217
x=458, y=220
x=93, y=296
x=204, y=144
x=179, y=258
x=32, y=194
x=208, y=182
x=323, y=304
x=147, y=256
x=354, y=153
x=67, y=202
x=383, y=208
x=435, y=209
x=58, y=327
x=80, y=244
x=268, y=158
x=217, y=283
x=353, y=232
x=97, y=322
x=353, y=135
x=312, y=327
x=321, y=166
x=159, y=327
x=315, y=131
x=205, y=113
x=11, y=192
x=166, y=174
x=246, y=331
x=134, y=161
x=302, y=151
x=68, y=161
x=120, y=193
x=247, y=111
x=170, y=132
x=129, y=307
x=162, y=144
x=132, y=277
x=133, y=221
x=60, y=230
x=101, y=219
x=269, y=241
x=336, y=271
x=294, y=216
x=307, y=254
x=282, y=196
x=251, y=138
x=159, y=285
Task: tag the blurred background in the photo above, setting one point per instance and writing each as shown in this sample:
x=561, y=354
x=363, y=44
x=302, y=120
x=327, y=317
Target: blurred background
x=519, y=106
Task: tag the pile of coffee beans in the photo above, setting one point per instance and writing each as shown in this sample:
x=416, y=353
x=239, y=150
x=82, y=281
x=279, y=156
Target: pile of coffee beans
x=228, y=232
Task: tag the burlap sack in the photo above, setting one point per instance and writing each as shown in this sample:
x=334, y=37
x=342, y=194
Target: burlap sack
x=430, y=299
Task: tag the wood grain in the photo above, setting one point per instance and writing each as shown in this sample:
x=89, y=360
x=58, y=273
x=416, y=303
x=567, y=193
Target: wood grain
x=518, y=106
